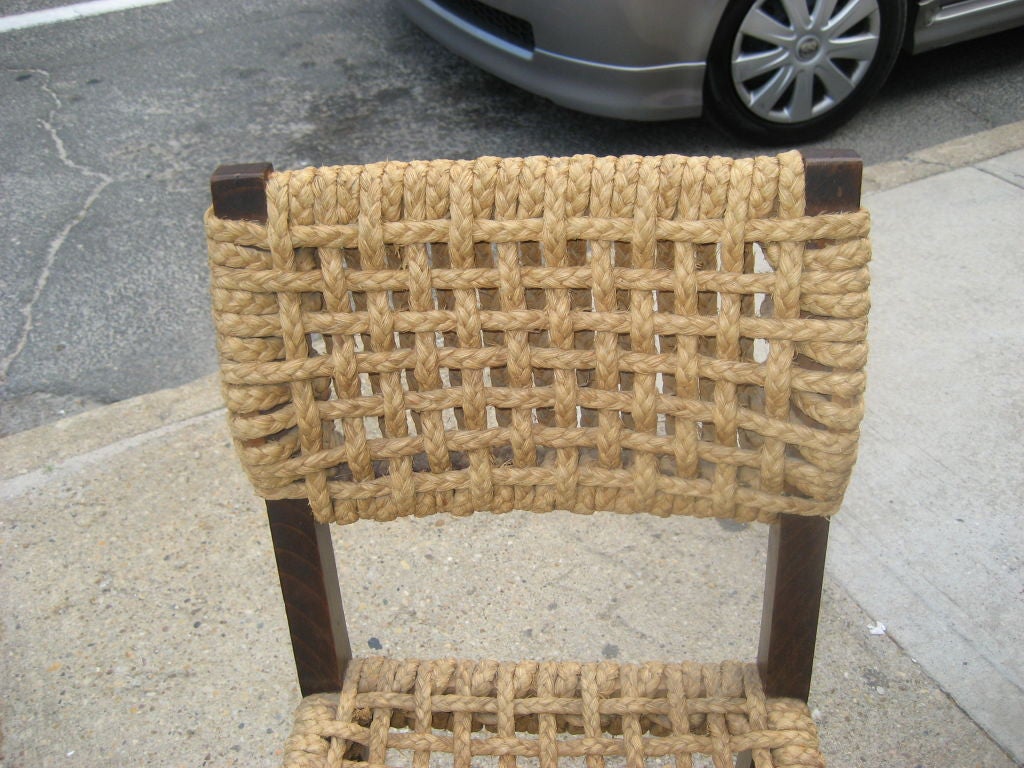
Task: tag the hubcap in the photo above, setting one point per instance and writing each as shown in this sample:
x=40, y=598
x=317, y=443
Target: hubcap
x=793, y=60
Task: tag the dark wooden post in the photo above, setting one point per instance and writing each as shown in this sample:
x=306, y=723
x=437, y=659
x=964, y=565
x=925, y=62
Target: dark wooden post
x=312, y=597
x=796, y=545
x=239, y=191
x=305, y=556
x=792, y=597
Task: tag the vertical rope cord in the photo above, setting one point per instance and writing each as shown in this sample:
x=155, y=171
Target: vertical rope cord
x=785, y=303
x=531, y=205
x=513, y=298
x=566, y=393
x=372, y=250
x=685, y=256
x=718, y=730
x=293, y=333
x=340, y=347
x=426, y=375
x=591, y=711
x=727, y=347
x=678, y=712
x=641, y=329
x=546, y=725
x=606, y=343
x=343, y=349
x=506, y=721
x=467, y=324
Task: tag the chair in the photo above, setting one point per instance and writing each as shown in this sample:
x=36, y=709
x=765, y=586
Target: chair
x=667, y=335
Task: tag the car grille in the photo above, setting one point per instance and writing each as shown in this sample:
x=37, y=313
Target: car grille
x=502, y=25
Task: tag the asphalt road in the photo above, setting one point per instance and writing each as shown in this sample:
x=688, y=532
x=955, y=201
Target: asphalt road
x=111, y=125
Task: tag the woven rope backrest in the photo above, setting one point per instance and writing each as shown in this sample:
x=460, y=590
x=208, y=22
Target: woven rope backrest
x=639, y=334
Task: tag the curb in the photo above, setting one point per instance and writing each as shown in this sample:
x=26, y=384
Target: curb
x=941, y=158
x=48, y=447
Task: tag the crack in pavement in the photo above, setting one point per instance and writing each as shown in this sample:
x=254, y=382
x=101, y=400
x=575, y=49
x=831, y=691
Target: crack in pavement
x=58, y=241
x=1011, y=180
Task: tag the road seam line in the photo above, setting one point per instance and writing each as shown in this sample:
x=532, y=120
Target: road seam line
x=19, y=485
x=70, y=13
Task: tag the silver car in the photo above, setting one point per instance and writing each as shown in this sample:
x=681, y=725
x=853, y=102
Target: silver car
x=771, y=71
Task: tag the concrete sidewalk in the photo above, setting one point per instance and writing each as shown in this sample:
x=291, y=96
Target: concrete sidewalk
x=139, y=627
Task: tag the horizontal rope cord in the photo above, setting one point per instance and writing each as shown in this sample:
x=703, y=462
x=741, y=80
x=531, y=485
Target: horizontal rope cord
x=248, y=426
x=618, y=483
x=554, y=705
x=546, y=437
x=535, y=320
x=322, y=366
x=826, y=256
x=650, y=746
x=380, y=485
x=822, y=227
x=621, y=278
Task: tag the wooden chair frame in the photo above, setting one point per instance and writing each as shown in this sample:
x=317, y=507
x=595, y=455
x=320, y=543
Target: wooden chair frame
x=305, y=556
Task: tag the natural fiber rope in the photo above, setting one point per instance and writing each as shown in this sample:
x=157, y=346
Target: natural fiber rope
x=549, y=711
x=664, y=334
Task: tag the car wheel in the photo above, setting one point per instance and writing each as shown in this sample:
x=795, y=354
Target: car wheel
x=788, y=71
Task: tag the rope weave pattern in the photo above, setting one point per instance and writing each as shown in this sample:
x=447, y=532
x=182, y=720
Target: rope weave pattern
x=603, y=714
x=661, y=334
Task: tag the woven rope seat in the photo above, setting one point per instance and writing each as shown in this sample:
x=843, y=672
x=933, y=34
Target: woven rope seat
x=669, y=335
x=606, y=713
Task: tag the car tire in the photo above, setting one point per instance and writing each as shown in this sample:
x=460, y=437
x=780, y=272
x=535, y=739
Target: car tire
x=791, y=71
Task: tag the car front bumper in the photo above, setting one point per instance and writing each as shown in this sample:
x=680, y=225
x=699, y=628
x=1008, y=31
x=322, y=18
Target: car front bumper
x=654, y=92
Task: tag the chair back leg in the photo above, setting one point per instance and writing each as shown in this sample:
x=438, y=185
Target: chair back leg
x=305, y=556
x=792, y=598
x=796, y=545
x=312, y=597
